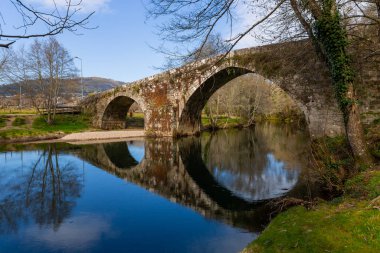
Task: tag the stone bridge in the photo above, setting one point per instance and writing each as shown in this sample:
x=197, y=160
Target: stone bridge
x=172, y=102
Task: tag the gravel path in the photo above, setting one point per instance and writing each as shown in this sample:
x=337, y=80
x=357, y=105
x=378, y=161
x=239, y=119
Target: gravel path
x=102, y=135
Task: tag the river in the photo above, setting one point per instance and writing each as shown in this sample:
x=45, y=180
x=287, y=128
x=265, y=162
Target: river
x=197, y=194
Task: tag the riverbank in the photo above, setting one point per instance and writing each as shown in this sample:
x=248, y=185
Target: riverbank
x=15, y=128
x=350, y=223
x=21, y=128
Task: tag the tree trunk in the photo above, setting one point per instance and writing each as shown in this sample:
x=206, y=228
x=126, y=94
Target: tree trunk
x=332, y=40
x=354, y=130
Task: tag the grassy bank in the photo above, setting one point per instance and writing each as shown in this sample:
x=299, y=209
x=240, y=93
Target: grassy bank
x=136, y=120
x=16, y=110
x=350, y=223
x=21, y=127
x=222, y=122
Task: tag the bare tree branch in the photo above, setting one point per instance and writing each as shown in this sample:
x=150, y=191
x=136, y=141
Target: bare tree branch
x=52, y=20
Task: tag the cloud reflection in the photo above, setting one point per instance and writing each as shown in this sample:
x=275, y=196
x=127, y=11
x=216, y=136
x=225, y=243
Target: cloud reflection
x=79, y=233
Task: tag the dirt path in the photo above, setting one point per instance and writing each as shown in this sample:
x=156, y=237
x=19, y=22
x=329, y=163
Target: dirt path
x=102, y=135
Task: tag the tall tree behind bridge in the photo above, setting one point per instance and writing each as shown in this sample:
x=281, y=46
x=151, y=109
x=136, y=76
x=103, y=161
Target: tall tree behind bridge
x=322, y=21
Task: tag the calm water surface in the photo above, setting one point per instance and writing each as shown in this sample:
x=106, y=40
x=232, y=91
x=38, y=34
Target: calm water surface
x=198, y=194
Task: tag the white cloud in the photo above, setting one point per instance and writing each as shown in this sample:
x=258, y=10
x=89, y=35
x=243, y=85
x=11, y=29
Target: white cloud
x=85, y=5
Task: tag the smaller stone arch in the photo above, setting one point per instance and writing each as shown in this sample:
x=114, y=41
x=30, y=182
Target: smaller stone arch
x=113, y=114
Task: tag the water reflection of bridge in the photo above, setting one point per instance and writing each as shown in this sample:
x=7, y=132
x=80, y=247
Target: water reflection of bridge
x=177, y=171
x=162, y=171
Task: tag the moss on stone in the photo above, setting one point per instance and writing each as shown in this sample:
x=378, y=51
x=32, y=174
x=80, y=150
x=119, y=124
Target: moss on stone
x=347, y=224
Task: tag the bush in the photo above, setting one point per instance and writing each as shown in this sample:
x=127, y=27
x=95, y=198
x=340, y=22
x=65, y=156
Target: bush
x=3, y=121
x=19, y=122
x=332, y=162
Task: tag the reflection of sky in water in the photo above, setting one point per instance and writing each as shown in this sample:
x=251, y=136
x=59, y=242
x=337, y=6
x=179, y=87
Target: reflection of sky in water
x=17, y=159
x=136, y=149
x=274, y=181
x=79, y=232
x=107, y=215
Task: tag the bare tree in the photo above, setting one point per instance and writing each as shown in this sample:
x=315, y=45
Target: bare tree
x=50, y=64
x=4, y=58
x=51, y=21
x=319, y=20
x=17, y=70
x=243, y=97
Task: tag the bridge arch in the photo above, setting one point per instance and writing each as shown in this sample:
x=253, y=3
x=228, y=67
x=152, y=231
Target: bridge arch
x=114, y=113
x=199, y=93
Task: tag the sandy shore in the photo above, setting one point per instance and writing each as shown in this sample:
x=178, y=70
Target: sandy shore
x=81, y=138
x=102, y=135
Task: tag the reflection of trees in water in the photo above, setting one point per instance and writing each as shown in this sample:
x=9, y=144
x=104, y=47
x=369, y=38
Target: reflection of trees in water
x=46, y=192
x=255, y=164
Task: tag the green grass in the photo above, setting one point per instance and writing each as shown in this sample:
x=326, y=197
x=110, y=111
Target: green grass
x=346, y=224
x=63, y=123
x=39, y=127
x=136, y=121
x=138, y=115
x=223, y=122
x=3, y=121
x=18, y=133
x=18, y=111
x=18, y=121
x=365, y=185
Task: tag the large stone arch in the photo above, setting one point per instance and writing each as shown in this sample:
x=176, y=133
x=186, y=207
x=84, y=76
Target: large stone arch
x=199, y=93
x=320, y=109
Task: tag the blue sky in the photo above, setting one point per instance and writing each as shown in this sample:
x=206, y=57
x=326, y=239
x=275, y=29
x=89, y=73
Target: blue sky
x=119, y=48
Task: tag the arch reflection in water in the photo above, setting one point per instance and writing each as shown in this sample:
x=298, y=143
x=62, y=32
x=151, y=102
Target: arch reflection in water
x=256, y=164
x=125, y=155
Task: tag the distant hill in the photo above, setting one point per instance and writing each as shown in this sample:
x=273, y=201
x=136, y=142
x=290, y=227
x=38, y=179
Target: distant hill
x=97, y=84
x=91, y=84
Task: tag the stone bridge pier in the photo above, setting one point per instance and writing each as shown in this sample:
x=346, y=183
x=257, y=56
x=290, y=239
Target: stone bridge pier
x=172, y=102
